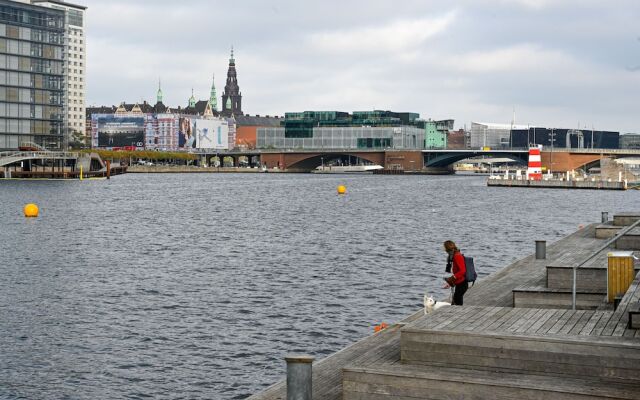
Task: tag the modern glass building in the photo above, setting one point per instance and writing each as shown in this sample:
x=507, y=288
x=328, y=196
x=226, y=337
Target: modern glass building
x=31, y=75
x=340, y=130
x=495, y=136
x=630, y=141
x=75, y=56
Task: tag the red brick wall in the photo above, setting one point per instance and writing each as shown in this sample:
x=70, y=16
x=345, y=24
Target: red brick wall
x=246, y=136
x=456, y=140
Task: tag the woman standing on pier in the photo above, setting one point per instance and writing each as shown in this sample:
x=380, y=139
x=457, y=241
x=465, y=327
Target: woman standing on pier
x=459, y=270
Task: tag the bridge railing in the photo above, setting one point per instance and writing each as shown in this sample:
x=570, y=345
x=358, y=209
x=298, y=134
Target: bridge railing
x=38, y=154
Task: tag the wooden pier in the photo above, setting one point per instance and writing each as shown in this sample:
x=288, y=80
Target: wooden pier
x=559, y=184
x=517, y=337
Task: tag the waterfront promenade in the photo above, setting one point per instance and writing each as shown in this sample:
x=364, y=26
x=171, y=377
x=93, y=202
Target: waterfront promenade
x=503, y=347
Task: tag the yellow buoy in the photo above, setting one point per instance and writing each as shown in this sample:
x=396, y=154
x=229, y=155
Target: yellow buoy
x=342, y=189
x=31, y=210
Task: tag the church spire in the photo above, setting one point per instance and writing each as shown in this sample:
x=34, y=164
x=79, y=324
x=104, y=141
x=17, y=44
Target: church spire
x=159, y=95
x=213, y=99
x=192, y=99
x=231, y=97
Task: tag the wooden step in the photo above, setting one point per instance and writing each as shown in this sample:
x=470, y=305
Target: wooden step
x=404, y=382
x=543, y=297
x=606, y=231
x=592, y=278
x=627, y=218
x=612, y=359
x=629, y=241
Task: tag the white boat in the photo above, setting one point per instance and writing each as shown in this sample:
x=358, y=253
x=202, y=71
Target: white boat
x=346, y=169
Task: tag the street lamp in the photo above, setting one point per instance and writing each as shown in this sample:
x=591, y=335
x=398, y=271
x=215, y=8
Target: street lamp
x=553, y=139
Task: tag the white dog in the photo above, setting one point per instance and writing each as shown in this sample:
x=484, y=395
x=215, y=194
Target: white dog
x=430, y=305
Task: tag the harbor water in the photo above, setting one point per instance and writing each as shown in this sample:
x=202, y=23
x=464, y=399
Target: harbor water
x=179, y=286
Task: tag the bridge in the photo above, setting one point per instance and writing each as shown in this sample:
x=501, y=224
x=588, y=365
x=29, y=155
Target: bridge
x=432, y=161
x=49, y=163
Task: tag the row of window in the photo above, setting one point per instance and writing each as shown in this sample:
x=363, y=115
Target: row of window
x=75, y=17
x=30, y=49
x=31, y=80
x=34, y=96
x=35, y=35
x=30, y=64
x=43, y=18
x=75, y=86
x=29, y=126
x=29, y=111
x=13, y=141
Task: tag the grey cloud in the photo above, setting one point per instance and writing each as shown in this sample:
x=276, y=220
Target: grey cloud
x=293, y=55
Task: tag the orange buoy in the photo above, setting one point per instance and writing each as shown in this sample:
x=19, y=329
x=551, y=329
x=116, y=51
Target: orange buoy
x=30, y=210
x=342, y=189
x=380, y=327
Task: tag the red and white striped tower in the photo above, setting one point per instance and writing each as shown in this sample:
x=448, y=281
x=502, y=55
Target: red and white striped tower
x=534, y=170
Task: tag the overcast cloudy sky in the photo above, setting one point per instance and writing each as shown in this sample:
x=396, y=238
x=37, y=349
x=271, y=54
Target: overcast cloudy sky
x=559, y=63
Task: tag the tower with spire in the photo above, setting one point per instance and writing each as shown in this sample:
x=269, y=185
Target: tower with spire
x=159, y=95
x=159, y=107
x=231, y=97
x=213, y=99
x=192, y=99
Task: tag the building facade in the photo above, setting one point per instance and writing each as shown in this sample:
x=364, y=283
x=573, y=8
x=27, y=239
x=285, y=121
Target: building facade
x=495, y=136
x=140, y=127
x=565, y=138
x=362, y=130
x=247, y=128
x=31, y=75
x=630, y=141
x=436, y=133
x=75, y=56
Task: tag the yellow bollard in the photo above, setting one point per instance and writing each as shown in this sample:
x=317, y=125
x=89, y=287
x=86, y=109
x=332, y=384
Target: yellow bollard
x=81, y=172
x=342, y=189
x=30, y=210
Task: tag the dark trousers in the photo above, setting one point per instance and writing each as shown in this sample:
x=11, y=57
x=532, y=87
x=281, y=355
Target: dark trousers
x=459, y=292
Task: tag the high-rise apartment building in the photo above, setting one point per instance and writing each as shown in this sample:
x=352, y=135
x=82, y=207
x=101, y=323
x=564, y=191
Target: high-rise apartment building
x=75, y=56
x=31, y=75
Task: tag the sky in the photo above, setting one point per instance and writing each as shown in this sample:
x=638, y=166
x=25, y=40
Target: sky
x=554, y=63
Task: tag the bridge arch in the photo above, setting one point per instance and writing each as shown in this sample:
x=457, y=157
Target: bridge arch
x=308, y=162
x=447, y=159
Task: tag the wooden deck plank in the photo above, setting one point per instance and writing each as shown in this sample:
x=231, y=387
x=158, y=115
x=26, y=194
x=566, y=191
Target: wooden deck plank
x=561, y=322
x=527, y=319
x=581, y=323
x=593, y=320
x=551, y=322
x=547, y=313
x=485, y=324
x=489, y=314
x=573, y=321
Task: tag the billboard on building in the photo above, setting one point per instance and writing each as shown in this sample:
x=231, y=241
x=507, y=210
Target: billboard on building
x=119, y=131
x=211, y=134
x=161, y=132
x=186, y=138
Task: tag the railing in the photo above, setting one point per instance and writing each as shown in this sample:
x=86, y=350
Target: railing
x=608, y=243
x=11, y=157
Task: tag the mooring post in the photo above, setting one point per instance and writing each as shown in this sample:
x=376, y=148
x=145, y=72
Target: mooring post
x=541, y=249
x=299, y=377
x=605, y=217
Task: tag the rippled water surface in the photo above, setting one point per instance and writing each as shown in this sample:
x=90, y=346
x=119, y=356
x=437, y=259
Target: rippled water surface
x=196, y=286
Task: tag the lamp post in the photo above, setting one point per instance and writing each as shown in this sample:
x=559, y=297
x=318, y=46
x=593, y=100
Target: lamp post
x=553, y=139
